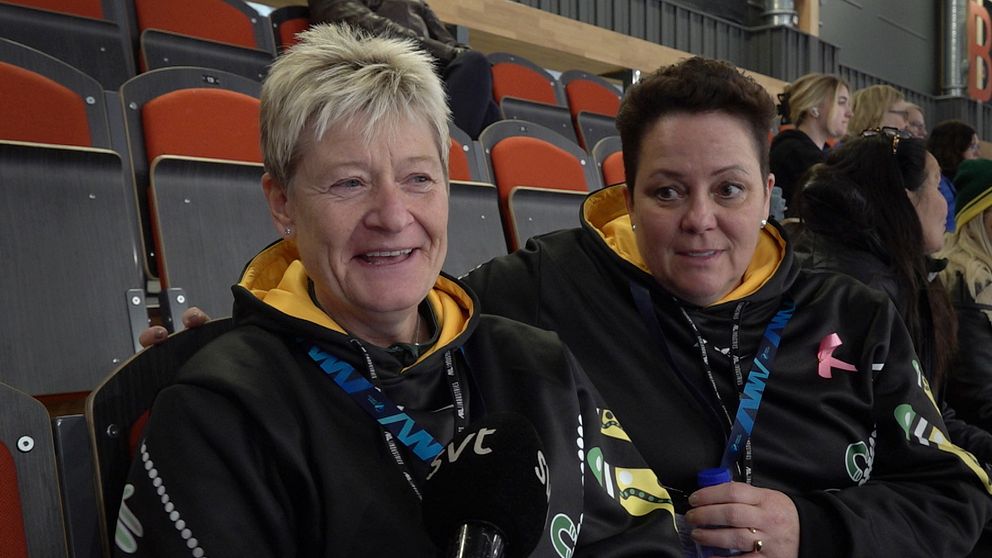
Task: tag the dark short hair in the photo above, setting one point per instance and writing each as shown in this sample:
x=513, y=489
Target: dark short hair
x=693, y=86
x=948, y=141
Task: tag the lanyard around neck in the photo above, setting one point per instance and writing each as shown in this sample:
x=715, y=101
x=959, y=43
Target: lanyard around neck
x=753, y=389
x=394, y=423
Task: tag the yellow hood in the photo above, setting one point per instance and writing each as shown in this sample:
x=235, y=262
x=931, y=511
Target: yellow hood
x=276, y=277
x=605, y=212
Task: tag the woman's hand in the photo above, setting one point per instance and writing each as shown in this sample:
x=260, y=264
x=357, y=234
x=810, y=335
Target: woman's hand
x=747, y=515
x=192, y=317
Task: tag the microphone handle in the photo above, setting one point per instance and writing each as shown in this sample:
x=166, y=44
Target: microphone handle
x=476, y=540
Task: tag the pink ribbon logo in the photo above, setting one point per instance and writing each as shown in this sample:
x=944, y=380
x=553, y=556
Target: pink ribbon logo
x=826, y=357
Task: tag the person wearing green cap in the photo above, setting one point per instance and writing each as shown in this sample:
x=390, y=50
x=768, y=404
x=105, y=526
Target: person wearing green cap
x=968, y=277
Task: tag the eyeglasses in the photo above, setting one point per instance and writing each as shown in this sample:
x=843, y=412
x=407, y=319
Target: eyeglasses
x=894, y=134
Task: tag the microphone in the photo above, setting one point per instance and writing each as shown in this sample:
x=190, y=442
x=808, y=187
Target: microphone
x=487, y=492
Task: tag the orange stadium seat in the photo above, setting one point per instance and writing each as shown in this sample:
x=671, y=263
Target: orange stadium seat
x=30, y=511
x=287, y=21
x=608, y=154
x=189, y=112
x=464, y=161
x=90, y=35
x=593, y=103
x=84, y=8
x=227, y=35
x=525, y=91
x=526, y=154
x=47, y=101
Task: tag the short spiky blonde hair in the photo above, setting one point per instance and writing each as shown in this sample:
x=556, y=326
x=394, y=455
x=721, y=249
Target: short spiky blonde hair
x=339, y=76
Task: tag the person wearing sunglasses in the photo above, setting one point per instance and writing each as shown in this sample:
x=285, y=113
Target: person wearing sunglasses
x=878, y=106
x=952, y=142
x=819, y=107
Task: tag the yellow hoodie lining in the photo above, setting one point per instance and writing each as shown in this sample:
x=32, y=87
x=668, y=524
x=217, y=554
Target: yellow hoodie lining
x=606, y=212
x=278, y=278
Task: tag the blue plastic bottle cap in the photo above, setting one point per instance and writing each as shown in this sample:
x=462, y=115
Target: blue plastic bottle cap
x=713, y=477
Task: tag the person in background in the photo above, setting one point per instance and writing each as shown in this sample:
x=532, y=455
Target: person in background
x=873, y=211
x=968, y=277
x=311, y=428
x=819, y=106
x=917, y=126
x=671, y=294
x=952, y=142
x=878, y=106
x=466, y=73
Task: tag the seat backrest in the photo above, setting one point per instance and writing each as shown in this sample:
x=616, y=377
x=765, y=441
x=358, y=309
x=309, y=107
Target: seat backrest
x=515, y=76
x=224, y=21
x=525, y=154
x=608, y=155
x=287, y=21
x=475, y=234
x=535, y=211
x=31, y=521
x=95, y=9
x=194, y=112
x=210, y=218
x=69, y=264
x=464, y=161
x=115, y=408
x=99, y=47
x=44, y=100
x=586, y=92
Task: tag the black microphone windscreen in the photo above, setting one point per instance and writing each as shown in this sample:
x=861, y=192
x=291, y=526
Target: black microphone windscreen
x=493, y=472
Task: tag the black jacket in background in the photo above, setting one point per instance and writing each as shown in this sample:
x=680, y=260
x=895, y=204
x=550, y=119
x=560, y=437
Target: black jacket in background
x=792, y=154
x=969, y=388
x=408, y=19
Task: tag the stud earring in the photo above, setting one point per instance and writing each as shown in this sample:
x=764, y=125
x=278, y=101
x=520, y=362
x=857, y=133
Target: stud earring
x=633, y=227
x=288, y=231
x=764, y=222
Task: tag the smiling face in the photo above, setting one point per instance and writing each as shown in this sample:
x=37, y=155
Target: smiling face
x=369, y=219
x=698, y=202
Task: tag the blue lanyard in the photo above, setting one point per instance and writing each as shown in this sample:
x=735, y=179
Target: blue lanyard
x=754, y=389
x=378, y=405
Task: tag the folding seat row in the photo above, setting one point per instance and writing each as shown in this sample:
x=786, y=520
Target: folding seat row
x=579, y=106
x=100, y=37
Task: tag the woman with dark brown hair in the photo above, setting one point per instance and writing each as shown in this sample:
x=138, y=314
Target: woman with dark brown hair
x=873, y=211
x=951, y=143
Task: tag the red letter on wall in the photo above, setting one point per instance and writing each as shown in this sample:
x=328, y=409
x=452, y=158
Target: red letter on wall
x=979, y=61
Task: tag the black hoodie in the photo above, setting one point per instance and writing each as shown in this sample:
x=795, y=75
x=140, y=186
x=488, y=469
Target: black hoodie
x=863, y=454
x=256, y=452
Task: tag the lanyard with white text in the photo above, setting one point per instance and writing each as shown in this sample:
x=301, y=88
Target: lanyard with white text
x=395, y=423
x=754, y=389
